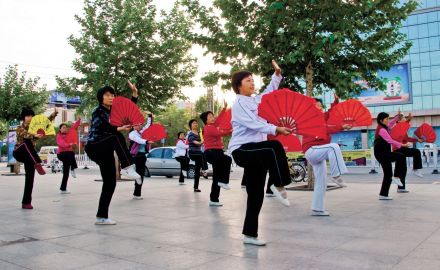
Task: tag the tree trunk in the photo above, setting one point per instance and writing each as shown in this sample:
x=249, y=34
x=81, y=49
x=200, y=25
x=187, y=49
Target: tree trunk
x=309, y=80
x=210, y=99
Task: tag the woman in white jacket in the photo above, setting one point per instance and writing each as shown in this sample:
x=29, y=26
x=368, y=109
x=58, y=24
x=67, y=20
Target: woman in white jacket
x=251, y=150
x=181, y=155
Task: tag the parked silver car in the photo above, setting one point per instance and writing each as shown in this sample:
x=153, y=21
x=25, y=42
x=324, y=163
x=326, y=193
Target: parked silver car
x=161, y=162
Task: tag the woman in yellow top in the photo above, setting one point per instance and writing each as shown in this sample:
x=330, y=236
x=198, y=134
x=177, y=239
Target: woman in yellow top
x=25, y=152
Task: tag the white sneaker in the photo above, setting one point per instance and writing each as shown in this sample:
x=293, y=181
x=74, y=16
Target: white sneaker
x=338, y=181
x=253, y=241
x=137, y=197
x=281, y=196
x=104, y=221
x=402, y=190
x=396, y=180
x=270, y=195
x=418, y=173
x=130, y=172
x=64, y=192
x=385, y=198
x=223, y=185
x=211, y=203
x=320, y=213
x=73, y=173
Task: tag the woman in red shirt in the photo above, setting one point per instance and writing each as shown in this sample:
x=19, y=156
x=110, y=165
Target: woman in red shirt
x=66, y=155
x=221, y=163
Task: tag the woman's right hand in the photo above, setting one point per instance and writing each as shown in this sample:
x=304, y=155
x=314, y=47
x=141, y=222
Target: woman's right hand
x=39, y=135
x=124, y=128
x=284, y=130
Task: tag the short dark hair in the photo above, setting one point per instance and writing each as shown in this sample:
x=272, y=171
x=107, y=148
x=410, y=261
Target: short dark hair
x=236, y=79
x=102, y=91
x=204, y=116
x=26, y=111
x=380, y=117
x=190, y=122
x=61, y=125
x=178, y=134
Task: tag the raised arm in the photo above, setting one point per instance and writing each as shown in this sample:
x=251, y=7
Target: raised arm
x=274, y=82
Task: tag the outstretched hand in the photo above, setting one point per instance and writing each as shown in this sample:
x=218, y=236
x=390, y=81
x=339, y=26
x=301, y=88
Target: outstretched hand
x=276, y=68
x=283, y=131
x=134, y=90
x=124, y=128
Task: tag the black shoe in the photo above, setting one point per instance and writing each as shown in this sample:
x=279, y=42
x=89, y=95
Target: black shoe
x=197, y=190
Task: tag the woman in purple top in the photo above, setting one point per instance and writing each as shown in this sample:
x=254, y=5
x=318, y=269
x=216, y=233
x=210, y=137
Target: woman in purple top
x=383, y=154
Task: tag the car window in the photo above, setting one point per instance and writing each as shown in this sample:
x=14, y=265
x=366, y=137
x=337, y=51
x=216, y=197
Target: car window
x=168, y=153
x=157, y=153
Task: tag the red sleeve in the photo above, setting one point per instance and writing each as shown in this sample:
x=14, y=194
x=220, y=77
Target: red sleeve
x=61, y=141
x=225, y=132
x=76, y=124
x=216, y=123
x=410, y=139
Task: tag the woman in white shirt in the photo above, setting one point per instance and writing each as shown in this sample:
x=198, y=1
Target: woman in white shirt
x=181, y=155
x=251, y=150
x=138, y=150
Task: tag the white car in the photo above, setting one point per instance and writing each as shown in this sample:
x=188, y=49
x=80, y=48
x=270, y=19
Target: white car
x=161, y=162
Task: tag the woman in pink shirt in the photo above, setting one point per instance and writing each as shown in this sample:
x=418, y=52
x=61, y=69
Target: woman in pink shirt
x=66, y=155
x=383, y=154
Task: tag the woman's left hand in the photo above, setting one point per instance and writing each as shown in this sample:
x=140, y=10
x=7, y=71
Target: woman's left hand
x=134, y=90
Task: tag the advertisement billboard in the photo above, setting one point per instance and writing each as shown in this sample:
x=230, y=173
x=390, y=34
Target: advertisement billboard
x=398, y=87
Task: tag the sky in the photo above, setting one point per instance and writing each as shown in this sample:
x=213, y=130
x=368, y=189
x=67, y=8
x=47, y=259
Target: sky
x=34, y=35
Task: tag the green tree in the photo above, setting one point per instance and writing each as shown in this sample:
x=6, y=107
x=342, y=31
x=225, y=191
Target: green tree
x=319, y=44
x=175, y=120
x=124, y=40
x=202, y=106
x=18, y=91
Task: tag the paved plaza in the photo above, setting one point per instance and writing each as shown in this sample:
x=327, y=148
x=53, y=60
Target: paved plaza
x=174, y=228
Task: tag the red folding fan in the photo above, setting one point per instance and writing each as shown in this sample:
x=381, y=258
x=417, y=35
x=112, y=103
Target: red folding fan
x=223, y=120
x=290, y=109
x=290, y=143
x=350, y=112
x=125, y=112
x=154, y=133
x=426, y=132
x=399, y=131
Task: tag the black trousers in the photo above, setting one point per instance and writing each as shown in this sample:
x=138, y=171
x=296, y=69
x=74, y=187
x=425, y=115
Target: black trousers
x=101, y=153
x=221, y=167
x=139, y=161
x=199, y=159
x=184, y=161
x=26, y=154
x=386, y=160
x=69, y=163
x=257, y=159
x=414, y=153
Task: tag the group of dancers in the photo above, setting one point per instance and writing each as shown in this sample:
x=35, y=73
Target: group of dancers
x=248, y=147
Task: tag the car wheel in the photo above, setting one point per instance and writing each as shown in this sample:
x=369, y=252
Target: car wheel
x=147, y=172
x=168, y=176
x=190, y=172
